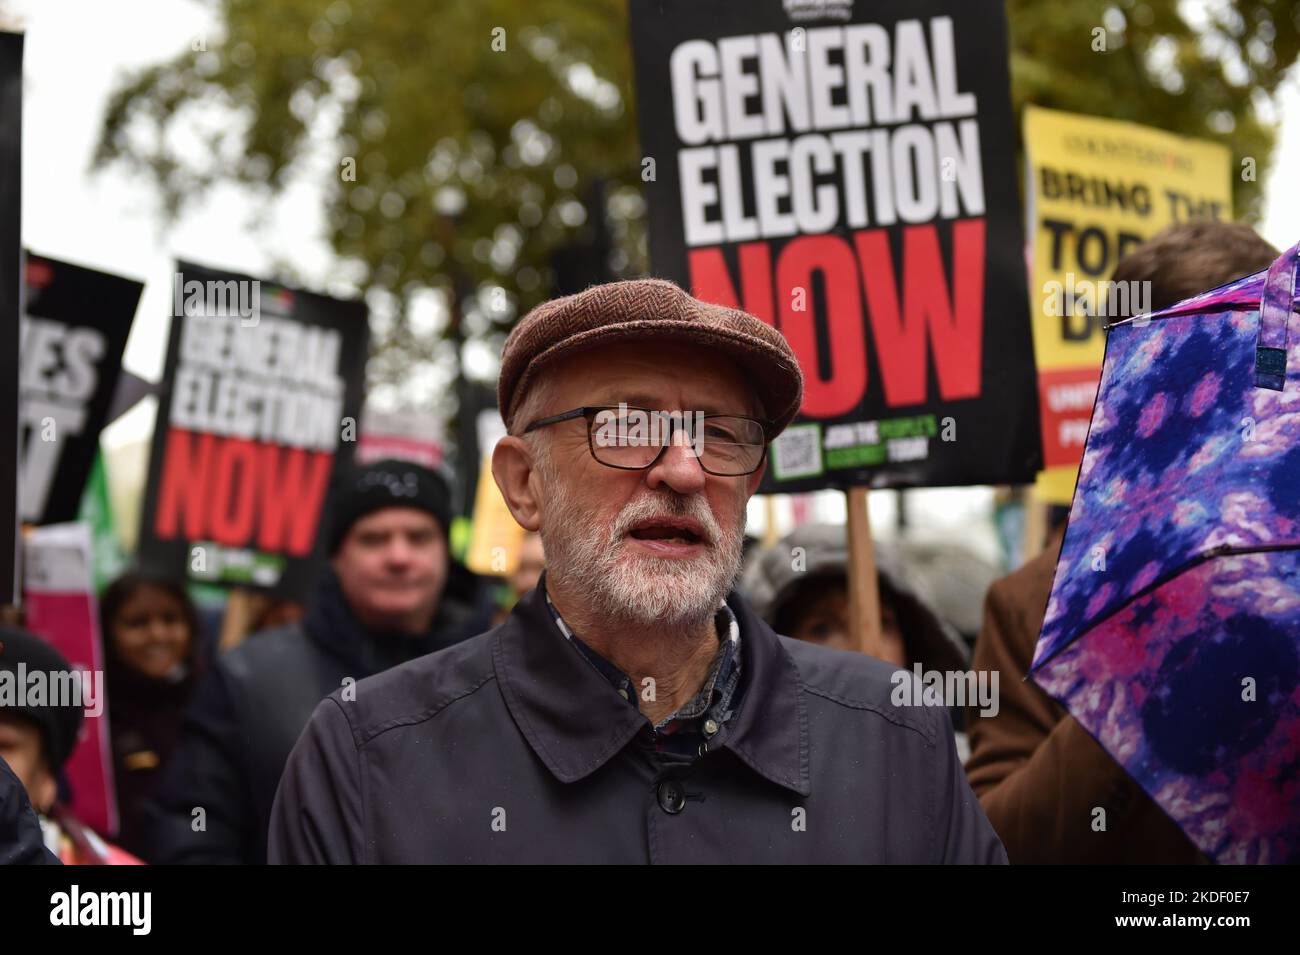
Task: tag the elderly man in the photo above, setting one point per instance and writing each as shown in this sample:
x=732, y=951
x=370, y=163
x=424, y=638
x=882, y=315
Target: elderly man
x=633, y=708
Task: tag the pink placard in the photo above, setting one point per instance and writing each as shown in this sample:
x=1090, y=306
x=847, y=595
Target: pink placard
x=61, y=607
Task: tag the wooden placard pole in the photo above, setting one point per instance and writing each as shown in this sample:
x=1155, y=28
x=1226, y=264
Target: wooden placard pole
x=864, y=590
x=243, y=607
x=769, y=520
x=1035, y=533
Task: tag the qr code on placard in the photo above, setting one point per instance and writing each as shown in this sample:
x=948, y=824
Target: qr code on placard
x=797, y=452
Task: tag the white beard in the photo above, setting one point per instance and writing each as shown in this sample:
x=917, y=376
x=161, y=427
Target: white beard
x=621, y=584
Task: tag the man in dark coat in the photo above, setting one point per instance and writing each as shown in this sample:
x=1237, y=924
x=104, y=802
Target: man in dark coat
x=633, y=708
x=390, y=594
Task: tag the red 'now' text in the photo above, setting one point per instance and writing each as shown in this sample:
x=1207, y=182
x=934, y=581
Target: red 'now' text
x=951, y=319
x=239, y=492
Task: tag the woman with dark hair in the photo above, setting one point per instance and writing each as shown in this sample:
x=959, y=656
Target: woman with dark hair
x=151, y=643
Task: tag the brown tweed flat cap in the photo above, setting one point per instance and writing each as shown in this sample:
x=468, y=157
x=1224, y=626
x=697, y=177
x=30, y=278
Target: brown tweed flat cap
x=654, y=309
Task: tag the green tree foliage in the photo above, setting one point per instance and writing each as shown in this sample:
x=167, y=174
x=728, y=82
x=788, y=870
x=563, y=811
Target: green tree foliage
x=452, y=139
x=1200, y=69
x=472, y=128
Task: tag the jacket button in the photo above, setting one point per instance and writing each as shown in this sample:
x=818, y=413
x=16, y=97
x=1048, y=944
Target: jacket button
x=672, y=798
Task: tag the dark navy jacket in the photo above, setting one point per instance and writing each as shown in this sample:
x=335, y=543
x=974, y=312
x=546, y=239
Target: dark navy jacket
x=510, y=747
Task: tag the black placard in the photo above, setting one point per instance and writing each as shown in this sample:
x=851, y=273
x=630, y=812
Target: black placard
x=11, y=309
x=846, y=172
x=261, y=396
x=74, y=329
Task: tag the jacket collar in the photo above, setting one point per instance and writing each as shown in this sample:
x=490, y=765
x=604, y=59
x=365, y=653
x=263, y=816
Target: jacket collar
x=575, y=721
x=770, y=731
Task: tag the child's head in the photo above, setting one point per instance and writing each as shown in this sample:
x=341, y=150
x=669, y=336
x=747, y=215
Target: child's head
x=37, y=731
x=22, y=749
x=149, y=624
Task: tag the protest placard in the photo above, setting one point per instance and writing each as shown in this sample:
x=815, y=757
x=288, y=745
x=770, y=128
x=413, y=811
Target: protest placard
x=11, y=289
x=60, y=602
x=74, y=329
x=845, y=171
x=1096, y=188
x=262, y=393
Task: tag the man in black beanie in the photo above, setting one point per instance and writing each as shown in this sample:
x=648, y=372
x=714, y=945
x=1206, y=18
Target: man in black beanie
x=388, y=544
x=391, y=593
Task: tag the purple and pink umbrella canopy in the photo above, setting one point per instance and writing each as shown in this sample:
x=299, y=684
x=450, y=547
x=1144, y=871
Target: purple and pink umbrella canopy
x=1173, y=630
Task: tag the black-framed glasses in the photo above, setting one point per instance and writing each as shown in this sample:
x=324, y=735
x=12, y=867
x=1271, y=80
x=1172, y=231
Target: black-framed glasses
x=633, y=439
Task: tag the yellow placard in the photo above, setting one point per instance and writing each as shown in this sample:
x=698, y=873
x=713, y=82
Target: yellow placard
x=496, y=538
x=1095, y=190
x=1056, y=485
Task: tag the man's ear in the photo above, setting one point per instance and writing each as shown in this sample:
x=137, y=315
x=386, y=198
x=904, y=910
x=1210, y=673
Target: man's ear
x=755, y=479
x=512, y=469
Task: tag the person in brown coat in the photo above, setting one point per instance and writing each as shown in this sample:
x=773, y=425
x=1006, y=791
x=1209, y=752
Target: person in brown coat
x=1040, y=776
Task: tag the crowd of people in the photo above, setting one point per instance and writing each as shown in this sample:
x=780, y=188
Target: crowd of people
x=230, y=755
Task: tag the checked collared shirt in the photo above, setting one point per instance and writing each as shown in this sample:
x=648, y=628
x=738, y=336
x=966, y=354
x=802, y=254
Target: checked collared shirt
x=683, y=736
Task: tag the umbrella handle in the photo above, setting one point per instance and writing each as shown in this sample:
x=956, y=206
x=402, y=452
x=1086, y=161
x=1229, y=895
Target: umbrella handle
x=1274, y=316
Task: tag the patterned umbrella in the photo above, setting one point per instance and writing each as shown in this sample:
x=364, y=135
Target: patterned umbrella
x=1173, y=629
